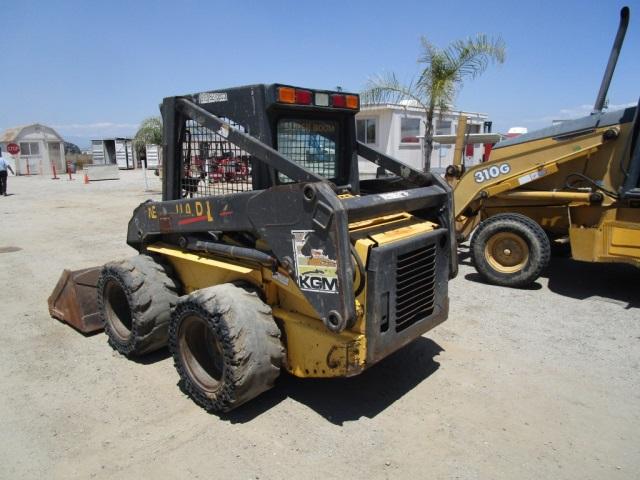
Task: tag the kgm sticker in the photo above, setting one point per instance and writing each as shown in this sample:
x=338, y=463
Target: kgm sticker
x=491, y=172
x=316, y=264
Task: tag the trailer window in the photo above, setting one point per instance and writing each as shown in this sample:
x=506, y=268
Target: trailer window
x=312, y=144
x=366, y=130
x=409, y=130
x=29, y=148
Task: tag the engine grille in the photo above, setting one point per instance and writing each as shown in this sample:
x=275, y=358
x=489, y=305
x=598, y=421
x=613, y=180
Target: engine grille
x=415, y=286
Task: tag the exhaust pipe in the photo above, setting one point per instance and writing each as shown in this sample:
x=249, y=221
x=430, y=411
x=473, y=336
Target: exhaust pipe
x=613, y=59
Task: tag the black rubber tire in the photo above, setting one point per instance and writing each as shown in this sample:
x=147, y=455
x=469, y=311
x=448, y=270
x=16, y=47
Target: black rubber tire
x=249, y=350
x=135, y=299
x=529, y=231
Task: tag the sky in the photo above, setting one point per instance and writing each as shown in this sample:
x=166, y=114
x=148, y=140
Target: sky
x=96, y=69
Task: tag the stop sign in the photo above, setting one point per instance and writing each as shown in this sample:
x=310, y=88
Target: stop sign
x=13, y=148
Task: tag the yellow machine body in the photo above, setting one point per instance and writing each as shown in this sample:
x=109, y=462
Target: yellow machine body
x=312, y=350
x=530, y=179
x=578, y=181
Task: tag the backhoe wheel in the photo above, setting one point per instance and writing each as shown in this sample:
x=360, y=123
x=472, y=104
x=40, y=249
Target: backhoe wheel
x=510, y=250
x=135, y=298
x=225, y=345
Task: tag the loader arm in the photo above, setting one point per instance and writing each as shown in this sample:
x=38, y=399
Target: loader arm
x=271, y=216
x=518, y=167
x=527, y=159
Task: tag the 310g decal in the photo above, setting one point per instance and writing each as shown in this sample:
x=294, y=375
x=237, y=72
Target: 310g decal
x=491, y=172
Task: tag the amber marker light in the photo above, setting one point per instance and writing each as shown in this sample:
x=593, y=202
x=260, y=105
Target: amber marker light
x=351, y=101
x=286, y=95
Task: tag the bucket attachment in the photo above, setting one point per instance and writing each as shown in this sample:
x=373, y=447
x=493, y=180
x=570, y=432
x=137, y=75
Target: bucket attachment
x=74, y=300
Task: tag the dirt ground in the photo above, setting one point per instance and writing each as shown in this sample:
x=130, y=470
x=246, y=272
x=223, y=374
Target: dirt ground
x=538, y=383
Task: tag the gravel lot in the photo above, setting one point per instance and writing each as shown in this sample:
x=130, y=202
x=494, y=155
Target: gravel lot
x=539, y=383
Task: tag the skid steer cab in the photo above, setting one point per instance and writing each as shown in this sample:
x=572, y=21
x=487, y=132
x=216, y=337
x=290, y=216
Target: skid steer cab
x=267, y=252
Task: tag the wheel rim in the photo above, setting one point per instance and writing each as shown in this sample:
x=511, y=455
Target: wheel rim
x=200, y=353
x=118, y=311
x=507, y=252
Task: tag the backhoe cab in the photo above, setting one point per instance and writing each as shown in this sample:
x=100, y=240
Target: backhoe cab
x=577, y=182
x=268, y=252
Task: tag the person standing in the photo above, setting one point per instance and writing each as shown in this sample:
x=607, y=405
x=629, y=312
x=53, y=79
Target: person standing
x=4, y=166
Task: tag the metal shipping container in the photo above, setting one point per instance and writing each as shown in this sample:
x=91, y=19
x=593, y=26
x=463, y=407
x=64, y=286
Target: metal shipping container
x=131, y=155
x=154, y=156
x=113, y=151
x=97, y=150
x=124, y=153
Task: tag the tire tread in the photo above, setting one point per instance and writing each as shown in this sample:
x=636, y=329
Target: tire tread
x=152, y=292
x=249, y=337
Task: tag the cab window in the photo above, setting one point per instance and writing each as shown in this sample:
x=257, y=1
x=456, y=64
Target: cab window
x=312, y=144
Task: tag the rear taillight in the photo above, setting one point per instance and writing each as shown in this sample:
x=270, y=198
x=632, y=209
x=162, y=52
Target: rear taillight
x=338, y=101
x=297, y=96
x=303, y=97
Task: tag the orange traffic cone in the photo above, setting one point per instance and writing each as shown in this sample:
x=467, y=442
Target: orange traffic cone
x=86, y=178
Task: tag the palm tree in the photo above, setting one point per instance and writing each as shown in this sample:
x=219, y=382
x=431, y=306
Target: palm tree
x=436, y=86
x=149, y=132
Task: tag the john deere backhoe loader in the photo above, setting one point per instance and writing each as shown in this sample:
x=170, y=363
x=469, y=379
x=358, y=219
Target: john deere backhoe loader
x=267, y=252
x=578, y=181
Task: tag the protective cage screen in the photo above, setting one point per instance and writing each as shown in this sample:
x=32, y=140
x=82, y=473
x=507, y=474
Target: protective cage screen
x=211, y=164
x=312, y=144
